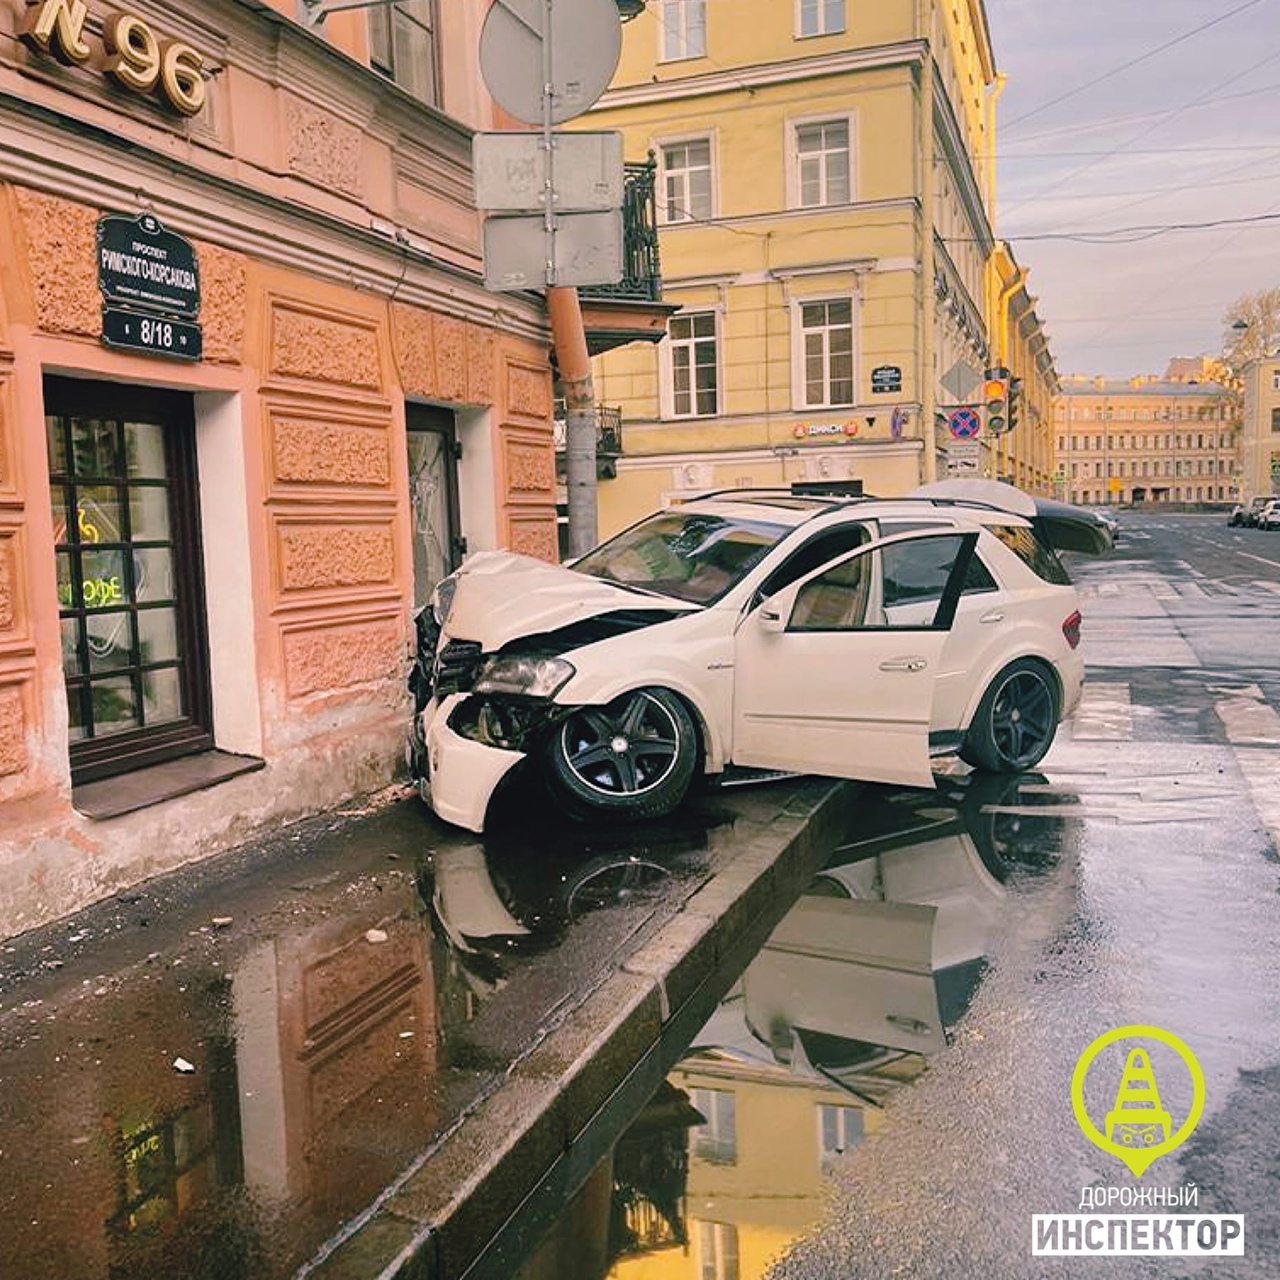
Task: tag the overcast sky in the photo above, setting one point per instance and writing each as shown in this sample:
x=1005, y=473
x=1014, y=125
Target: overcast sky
x=1189, y=135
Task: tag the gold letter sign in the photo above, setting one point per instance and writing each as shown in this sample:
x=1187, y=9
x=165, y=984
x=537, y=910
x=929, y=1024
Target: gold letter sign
x=135, y=57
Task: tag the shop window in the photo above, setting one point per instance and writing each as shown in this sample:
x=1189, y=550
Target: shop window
x=402, y=46
x=124, y=492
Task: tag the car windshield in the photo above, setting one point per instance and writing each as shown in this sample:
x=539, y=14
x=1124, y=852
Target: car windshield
x=692, y=556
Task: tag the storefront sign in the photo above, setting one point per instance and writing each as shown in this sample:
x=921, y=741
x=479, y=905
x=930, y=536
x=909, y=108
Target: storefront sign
x=132, y=54
x=802, y=430
x=150, y=283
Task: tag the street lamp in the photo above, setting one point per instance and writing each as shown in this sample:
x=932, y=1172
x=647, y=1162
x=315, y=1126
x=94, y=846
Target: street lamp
x=628, y=9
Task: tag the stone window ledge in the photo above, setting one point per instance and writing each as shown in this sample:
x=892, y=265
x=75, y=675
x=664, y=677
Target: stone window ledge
x=111, y=797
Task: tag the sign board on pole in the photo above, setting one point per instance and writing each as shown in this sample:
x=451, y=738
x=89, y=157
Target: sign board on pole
x=511, y=171
x=964, y=423
x=586, y=40
x=964, y=457
x=588, y=250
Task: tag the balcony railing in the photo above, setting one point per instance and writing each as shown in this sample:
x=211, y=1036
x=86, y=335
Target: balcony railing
x=608, y=439
x=641, y=276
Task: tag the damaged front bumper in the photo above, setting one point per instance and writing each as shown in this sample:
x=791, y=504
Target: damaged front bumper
x=472, y=743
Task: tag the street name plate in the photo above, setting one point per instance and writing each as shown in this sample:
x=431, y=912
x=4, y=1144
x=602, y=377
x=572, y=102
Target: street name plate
x=154, y=335
x=588, y=250
x=511, y=171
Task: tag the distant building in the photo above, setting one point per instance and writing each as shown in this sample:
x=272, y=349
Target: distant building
x=1260, y=427
x=1146, y=439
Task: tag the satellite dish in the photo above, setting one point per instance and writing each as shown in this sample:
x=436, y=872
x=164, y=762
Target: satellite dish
x=586, y=42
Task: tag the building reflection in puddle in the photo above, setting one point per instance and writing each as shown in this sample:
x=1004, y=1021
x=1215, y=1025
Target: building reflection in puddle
x=219, y=1110
x=860, y=982
x=211, y=1115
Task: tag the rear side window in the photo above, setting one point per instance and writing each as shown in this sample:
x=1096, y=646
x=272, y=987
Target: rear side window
x=1041, y=560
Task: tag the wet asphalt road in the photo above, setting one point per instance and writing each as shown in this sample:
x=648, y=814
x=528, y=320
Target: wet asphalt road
x=1163, y=908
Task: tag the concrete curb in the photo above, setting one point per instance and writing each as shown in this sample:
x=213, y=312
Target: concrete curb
x=474, y=1208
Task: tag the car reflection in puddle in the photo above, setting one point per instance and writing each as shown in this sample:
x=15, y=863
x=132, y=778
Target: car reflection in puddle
x=864, y=978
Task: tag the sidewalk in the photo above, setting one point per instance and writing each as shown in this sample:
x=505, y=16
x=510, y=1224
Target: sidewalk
x=369, y=1045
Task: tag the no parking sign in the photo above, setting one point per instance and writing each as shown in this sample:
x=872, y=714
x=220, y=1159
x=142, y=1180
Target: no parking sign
x=964, y=423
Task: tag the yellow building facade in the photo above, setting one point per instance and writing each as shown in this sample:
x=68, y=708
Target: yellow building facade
x=1260, y=428
x=824, y=198
x=1147, y=439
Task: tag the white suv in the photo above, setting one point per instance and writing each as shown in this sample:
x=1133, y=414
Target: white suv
x=850, y=637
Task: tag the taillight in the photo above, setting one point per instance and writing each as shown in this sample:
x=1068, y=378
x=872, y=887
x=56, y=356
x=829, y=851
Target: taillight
x=1071, y=629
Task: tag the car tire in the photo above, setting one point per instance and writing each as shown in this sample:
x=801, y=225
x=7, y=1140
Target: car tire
x=1016, y=720
x=633, y=757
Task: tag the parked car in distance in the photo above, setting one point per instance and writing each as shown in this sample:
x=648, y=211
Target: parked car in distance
x=769, y=629
x=1253, y=510
x=1269, y=516
x=1237, y=516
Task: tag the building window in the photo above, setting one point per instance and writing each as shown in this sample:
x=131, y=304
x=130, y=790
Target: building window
x=686, y=179
x=683, y=25
x=822, y=163
x=123, y=487
x=1275, y=380
x=717, y=1251
x=1275, y=419
x=826, y=332
x=402, y=46
x=716, y=1139
x=838, y=1129
x=693, y=365
x=820, y=18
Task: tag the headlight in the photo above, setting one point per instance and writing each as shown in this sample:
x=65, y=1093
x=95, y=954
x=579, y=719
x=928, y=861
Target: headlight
x=530, y=675
x=442, y=598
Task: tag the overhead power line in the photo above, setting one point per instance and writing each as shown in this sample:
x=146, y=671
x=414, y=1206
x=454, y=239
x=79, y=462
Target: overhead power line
x=1132, y=62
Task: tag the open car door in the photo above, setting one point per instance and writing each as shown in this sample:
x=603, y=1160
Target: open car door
x=825, y=683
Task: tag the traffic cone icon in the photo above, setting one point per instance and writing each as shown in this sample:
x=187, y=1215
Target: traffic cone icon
x=1138, y=1119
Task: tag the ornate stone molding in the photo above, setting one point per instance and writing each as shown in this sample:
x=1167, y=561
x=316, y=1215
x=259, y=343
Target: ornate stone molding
x=305, y=344
x=328, y=656
x=321, y=147
x=13, y=731
x=312, y=557
x=62, y=255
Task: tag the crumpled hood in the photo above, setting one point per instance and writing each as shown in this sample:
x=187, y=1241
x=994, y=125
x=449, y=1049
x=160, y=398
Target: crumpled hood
x=501, y=596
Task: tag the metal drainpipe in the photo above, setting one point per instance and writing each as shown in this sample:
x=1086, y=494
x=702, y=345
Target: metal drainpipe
x=569, y=337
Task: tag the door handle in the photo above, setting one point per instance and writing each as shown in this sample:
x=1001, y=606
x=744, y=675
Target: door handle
x=904, y=664
x=993, y=615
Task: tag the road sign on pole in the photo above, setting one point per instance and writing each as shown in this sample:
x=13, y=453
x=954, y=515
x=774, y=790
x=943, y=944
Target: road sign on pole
x=511, y=171
x=586, y=37
x=588, y=250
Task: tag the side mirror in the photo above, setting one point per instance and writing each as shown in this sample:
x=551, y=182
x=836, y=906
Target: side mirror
x=771, y=614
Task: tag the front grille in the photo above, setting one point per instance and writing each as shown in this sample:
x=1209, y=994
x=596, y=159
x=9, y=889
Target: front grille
x=457, y=666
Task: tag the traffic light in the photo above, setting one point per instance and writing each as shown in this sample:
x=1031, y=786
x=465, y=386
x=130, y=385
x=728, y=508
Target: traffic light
x=1015, y=401
x=995, y=397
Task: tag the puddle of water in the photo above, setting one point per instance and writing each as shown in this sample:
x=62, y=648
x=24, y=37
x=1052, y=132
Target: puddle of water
x=217, y=1108
x=862, y=982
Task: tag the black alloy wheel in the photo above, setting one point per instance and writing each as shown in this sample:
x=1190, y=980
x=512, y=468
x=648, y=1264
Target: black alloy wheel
x=634, y=756
x=1016, y=720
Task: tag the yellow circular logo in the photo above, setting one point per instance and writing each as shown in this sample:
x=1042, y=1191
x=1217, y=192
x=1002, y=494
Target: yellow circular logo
x=1138, y=1129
